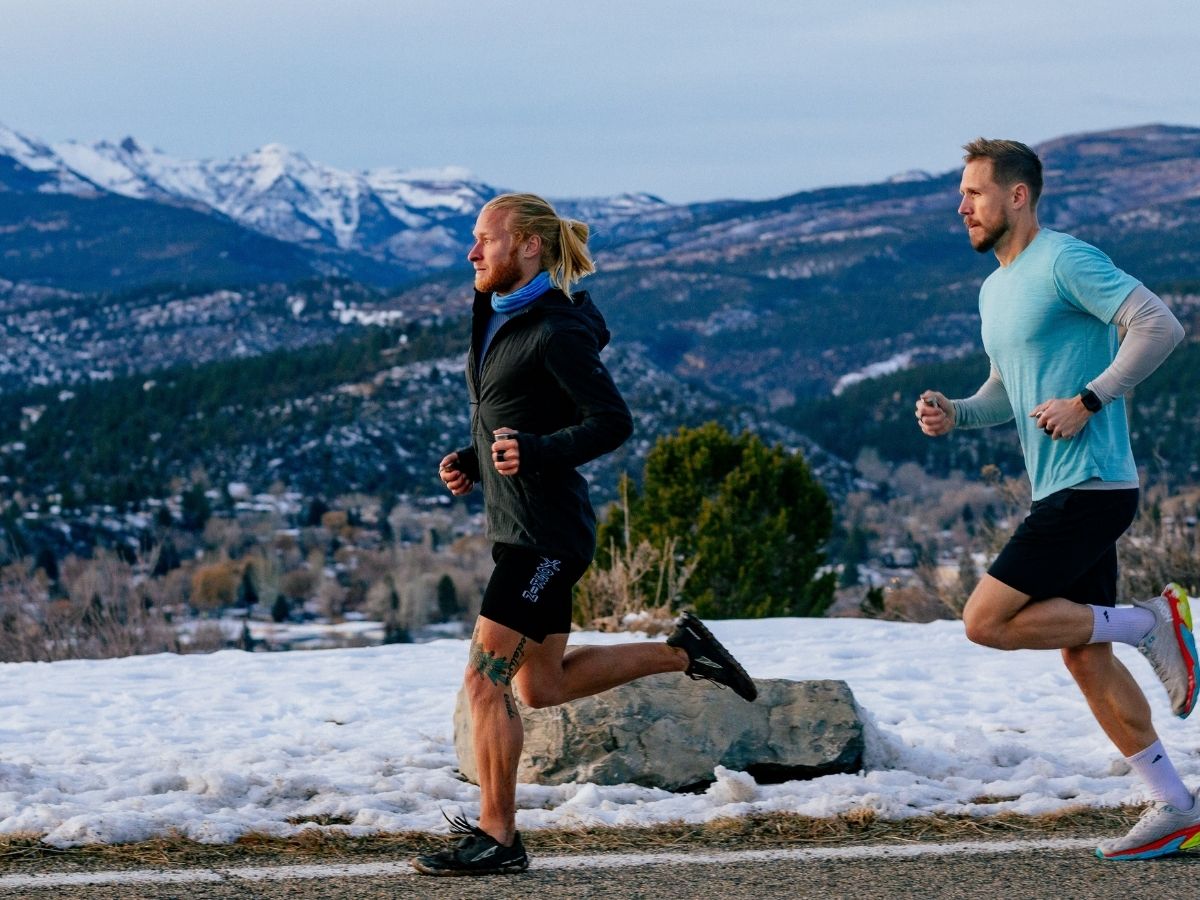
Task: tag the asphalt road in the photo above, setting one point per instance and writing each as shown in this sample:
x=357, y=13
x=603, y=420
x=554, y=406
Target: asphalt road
x=1055, y=874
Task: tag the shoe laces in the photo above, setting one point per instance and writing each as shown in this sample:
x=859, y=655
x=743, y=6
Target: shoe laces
x=459, y=824
x=699, y=677
x=1150, y=816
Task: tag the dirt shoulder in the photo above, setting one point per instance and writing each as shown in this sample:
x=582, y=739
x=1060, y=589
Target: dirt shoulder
x=325, y=843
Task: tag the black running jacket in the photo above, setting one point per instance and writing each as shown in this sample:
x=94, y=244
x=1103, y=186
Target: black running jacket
x=543, y=377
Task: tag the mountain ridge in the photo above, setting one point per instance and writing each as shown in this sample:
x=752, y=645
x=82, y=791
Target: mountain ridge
x=415, y=219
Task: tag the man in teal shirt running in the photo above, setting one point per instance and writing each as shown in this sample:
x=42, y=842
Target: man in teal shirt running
x=1049, y=322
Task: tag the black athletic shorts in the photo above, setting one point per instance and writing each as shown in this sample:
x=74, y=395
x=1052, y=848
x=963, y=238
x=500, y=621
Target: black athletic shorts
x=530, y=592
x=1067, y=546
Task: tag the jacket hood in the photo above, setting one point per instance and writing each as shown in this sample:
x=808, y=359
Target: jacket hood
x=580, y=307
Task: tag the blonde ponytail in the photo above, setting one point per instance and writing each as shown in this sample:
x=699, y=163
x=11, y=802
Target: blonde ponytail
x=574, y=262
x=564, y=241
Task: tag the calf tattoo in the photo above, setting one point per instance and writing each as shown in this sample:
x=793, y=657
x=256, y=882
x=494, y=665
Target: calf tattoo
x=497, y=669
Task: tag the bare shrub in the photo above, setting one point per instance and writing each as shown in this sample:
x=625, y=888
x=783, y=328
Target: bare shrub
x=1013, y=497
x=1161, y=546
x=206, y=637
x=102, y=614
x=331, y=600
x=222, y=535
x=299, y=584
x=215, y=585
x=606, y=598
x=929, y=598
x=334, y=519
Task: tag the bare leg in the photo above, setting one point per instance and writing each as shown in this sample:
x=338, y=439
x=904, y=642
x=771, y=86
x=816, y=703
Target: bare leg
x=497, y=653
x=1114, y=697
x=999, y=616
x=500, y=658
x=554, y=674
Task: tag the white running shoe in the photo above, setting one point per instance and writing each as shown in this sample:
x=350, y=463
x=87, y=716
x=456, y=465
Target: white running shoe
x=1171, y=647
x=1161, y=830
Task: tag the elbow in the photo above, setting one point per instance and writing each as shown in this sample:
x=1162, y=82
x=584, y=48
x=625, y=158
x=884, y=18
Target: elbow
x=624, y=427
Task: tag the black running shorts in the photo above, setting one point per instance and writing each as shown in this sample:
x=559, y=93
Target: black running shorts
x=530, y=592
x=1067, y=546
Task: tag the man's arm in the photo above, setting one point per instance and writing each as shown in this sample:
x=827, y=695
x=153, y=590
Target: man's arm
x=1152, y=332
x=573, y=360
x=937, y=415
x=987, y=406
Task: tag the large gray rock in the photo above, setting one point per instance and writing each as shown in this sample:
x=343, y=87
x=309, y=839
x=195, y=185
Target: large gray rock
x=670, y=732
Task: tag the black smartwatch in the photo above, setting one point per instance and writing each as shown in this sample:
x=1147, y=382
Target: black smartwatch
x=1090, y=401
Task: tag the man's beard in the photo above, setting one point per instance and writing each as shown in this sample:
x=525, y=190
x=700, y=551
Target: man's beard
x=500, y=279
x=991, y=237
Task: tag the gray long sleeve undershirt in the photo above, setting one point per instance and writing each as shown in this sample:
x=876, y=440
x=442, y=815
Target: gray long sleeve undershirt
x=1152, y=332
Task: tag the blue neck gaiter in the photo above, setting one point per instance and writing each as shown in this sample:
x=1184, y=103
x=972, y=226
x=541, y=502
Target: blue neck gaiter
x=522, y=297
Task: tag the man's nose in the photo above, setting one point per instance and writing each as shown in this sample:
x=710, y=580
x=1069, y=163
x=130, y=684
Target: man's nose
x=475, y=253
x=963, y=207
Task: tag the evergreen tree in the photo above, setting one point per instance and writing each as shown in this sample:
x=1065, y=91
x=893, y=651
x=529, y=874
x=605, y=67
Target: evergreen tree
x=47, y=562
x=247, y=593
x=855, y=551
x=751, y=518
x=447, y=598
x=316, y=509
x=167, y=559
x=873, y=603
x=195, y=508
x=281, y=609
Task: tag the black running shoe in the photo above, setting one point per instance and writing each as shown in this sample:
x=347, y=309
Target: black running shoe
x=707, y=659
x=476, y=854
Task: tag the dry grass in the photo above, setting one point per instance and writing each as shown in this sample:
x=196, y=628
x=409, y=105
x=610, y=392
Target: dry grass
x=26, y=852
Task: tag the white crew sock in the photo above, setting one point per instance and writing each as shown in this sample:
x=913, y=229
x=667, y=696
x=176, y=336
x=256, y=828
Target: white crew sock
x=1155, y=768
x=1123, y=624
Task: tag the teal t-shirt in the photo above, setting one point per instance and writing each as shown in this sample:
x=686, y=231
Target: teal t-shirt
x=1047, y=327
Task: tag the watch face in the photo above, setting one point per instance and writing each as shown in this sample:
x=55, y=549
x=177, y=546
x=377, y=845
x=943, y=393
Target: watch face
x=1090, y=401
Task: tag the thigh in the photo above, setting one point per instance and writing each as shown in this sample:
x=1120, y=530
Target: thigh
x=993, y=600
x=497, y=652
x=506, y=658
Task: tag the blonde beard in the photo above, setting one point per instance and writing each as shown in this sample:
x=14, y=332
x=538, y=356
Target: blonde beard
x=501, y=280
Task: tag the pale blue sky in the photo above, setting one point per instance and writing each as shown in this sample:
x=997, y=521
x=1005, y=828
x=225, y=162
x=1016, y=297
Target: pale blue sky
x=688, y=100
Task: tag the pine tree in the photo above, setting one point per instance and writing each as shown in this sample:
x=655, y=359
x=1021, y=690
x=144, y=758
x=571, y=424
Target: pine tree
x=281, y=609
x=447, y=598
x=751, y=517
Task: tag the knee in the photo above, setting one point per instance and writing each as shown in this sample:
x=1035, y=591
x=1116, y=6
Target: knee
x=481, y=691
x=536, y=696
x=985, y=630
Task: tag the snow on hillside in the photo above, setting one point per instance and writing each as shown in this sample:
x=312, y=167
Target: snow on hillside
x=420, y=218
x=41, y=161
x=215, y=746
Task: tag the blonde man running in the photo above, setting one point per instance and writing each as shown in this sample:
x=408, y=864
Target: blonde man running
x=542, y=404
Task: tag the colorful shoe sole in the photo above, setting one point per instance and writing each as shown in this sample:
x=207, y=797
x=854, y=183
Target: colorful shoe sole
x=1181, y=619
x=1180, y=841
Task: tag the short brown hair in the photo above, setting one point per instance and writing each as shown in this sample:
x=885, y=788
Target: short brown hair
x=1012, y=163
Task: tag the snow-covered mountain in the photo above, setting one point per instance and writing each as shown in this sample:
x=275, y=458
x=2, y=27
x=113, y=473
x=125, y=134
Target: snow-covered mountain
x=419, y=219
x=29, y=165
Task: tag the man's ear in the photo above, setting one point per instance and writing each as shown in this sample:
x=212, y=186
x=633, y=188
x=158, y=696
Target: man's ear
x=1020, y=195
x=532, y=248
